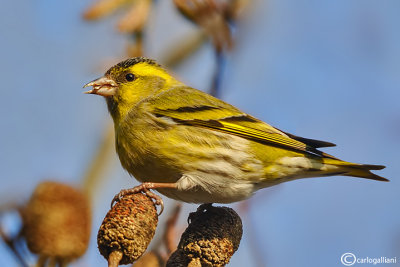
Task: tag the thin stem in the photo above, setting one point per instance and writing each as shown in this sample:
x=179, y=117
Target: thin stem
x=114, y=258
x=217, y=79
x=99, y=163
x=185, y=47
x=11, y=244
x=42, y=261
x=170, y=229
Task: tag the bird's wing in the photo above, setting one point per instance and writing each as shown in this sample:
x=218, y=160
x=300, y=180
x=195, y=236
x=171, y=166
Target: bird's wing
x=311, y=142
x=189, y=106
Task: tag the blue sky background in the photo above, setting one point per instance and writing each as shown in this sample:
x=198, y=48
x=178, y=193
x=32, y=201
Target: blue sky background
x=328, y=70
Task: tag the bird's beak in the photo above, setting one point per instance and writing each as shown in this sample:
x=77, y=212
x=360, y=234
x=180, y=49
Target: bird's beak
x=102, y=86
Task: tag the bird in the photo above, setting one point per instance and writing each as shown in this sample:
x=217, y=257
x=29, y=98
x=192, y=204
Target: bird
x=195, y=148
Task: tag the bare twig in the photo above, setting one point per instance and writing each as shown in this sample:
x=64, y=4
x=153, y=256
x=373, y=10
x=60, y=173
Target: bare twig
x=181, y=50
x=42, y=260
x=170, y=230
x=11, y=243
x=135, y=45
x=103, y=8
x=114, y=258
x=136, y=17
x=99, y=163
x=215, y=89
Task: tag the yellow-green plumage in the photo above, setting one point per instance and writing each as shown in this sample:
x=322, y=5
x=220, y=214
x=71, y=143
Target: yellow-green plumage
x=167, y=132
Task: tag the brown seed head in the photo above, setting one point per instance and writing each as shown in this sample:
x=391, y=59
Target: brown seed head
x=56, y=221
x=211, y=15
x=213, y=235
x=128, y=227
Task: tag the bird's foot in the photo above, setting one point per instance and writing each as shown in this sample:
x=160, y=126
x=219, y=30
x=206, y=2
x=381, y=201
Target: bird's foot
x=145, y=189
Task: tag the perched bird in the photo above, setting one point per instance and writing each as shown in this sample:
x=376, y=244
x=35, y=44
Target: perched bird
x=193, y=147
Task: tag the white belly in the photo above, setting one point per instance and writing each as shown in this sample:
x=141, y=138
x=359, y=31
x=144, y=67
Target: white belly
x=210, y=189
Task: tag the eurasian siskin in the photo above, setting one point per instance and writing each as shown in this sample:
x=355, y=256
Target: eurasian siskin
x=193, y=147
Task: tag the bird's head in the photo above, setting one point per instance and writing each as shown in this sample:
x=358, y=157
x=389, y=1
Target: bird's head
x=129, y=82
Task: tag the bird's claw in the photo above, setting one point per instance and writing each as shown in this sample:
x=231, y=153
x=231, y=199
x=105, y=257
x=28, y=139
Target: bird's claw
x=118, y=197
x=157, y=199
x=141, y=188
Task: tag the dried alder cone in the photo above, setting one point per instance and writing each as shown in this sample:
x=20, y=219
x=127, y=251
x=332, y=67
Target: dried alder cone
x=128, y=228
x=213, y=235
x=57, y=221
x=214, y=16
x=133, y=20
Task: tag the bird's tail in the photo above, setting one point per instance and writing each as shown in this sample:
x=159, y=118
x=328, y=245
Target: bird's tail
x=364, y=171
x=358, y=170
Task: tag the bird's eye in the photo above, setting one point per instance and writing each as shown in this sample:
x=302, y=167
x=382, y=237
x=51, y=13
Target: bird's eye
x=129, y=77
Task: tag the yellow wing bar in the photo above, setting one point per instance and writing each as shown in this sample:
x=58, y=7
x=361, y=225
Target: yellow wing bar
x=256, y=135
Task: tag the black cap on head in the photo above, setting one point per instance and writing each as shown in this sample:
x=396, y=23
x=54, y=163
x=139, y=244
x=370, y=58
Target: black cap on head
x=132, y=61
